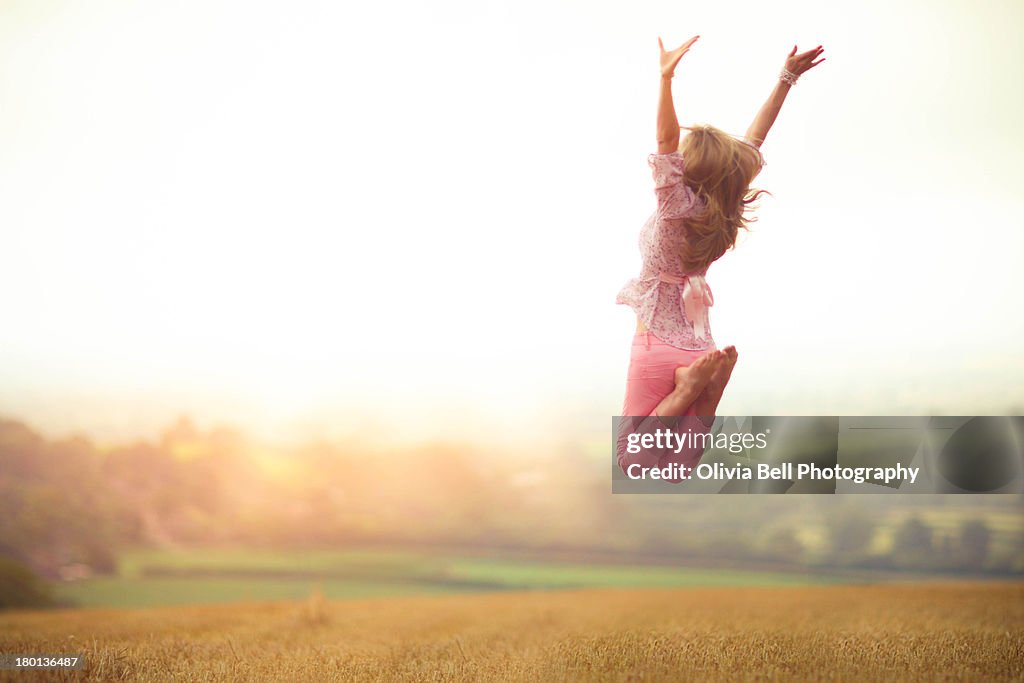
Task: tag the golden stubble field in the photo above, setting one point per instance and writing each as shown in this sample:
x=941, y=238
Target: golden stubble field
x=927, y=632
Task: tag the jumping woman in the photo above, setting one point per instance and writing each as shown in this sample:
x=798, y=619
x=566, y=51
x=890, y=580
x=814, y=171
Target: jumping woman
x=676, y=373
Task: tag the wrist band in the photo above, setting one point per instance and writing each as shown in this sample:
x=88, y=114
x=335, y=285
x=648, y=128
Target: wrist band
x=788, y=76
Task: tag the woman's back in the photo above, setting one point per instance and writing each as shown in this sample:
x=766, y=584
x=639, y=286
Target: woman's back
x=661, y=293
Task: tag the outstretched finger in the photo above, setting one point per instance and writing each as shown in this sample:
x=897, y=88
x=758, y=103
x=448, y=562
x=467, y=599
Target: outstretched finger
x=793, y=52
x=813, y=64
x=661, y=45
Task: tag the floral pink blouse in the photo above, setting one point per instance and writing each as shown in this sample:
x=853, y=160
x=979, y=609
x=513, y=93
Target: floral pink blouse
x=673, y=305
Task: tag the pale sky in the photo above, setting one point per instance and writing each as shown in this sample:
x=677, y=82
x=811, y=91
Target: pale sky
x=315, y=216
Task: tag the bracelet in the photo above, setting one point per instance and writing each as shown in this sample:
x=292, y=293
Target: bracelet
x=788, y=76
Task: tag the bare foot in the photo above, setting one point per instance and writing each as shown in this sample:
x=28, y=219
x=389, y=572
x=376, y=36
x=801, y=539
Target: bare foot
x=707, y=402
x=696, y=375
x=690, y=382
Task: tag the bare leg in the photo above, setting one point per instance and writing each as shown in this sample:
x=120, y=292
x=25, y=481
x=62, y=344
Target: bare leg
x=691, y=380
x=707, y=402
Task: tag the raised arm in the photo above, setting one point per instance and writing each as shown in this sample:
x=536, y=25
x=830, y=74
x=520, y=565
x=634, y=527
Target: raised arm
x=668, y=125
x=796, y=65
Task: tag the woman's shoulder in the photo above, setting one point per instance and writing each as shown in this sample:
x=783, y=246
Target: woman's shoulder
x=673, y=159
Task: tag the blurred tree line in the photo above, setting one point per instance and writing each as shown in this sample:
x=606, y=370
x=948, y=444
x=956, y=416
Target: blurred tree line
x=67, y=506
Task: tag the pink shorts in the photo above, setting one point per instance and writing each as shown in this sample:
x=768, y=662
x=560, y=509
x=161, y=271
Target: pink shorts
x=651, y=377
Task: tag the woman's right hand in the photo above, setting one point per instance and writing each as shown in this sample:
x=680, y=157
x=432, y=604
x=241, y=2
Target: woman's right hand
x=799, y=63
x=669, y=59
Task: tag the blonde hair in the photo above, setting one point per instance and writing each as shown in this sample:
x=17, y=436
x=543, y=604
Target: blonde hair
x=719, y=169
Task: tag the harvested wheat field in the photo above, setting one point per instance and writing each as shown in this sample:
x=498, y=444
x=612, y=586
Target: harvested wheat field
x=972, y=631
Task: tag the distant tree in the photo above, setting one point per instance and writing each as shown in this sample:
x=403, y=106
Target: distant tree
x=850, y=533
x=20, y=450
x=946, y=555
x=19, y=587
x=913, y=545
x=975, y=538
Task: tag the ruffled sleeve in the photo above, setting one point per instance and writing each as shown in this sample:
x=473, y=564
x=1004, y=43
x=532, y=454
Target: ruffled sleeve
x=675, y=199
x=757, y=149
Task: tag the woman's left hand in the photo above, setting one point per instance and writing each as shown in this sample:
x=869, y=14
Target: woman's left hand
x=669, y=58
